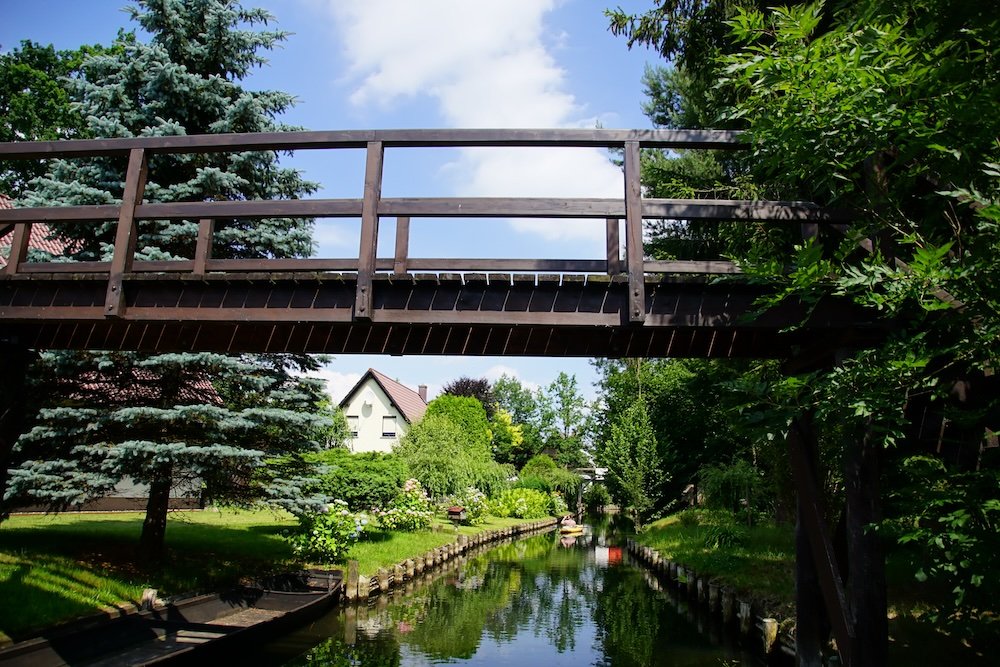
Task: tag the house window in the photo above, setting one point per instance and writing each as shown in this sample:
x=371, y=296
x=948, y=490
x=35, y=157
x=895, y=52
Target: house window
x=388, y=427
x=352, y=426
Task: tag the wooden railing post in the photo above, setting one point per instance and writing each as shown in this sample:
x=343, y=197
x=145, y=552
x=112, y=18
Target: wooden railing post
x=203, y=247
x=369, y=230
x=802, y=452
x=633, y=234
x=402, y=246
x=125, y=236
x=18, y=248
x=614, y=248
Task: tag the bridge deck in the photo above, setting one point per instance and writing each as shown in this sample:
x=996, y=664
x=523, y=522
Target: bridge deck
x=473, y=314
x=621, y=304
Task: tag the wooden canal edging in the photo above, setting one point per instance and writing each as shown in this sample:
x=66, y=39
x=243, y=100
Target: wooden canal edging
x=721, y=604
x=357, y=587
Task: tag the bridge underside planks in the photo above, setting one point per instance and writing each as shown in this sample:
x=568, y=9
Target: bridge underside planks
x=430, y=314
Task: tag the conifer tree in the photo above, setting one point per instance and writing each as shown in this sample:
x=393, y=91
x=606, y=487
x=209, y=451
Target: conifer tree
x=161, y=419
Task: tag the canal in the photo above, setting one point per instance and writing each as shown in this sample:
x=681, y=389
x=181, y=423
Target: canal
x=542, y=600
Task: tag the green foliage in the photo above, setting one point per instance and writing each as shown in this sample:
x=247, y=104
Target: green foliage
x=364, y=481
x=521, y=504
x=549, y=475
x=596, y=497
x=35, y=104
x=446, y=461
x=630, y=456
x=467, y=413
x=476, y=506
x=410, y=510
x=734, y=486
x=557, y=504
x=951, y=526
x=477, y=388
x=725, y=536
x=327, y=535
x=508, y=437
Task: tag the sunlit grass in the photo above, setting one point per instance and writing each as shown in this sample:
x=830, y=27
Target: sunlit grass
x=61, y=566
x=762, y=567
x=386, y=549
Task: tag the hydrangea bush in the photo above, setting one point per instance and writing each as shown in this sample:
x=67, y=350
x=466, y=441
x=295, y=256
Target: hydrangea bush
x=410, y=510
x=557, y=505
x=476, y=506
x=521, y=504
x=327, y=535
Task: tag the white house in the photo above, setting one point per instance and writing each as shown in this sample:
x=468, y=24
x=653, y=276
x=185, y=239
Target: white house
x=380, y=410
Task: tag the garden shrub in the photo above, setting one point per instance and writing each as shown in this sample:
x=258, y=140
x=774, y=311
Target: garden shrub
x=476, y=506
x=364, y=481
x=521, y=504
x=531, y=482
x=596, y=498
x=410, y=510
x=557, y=505
x=326, y=536
x=725, y=536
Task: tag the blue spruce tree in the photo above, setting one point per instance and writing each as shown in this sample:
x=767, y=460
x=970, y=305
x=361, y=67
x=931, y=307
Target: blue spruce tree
x=169, y=418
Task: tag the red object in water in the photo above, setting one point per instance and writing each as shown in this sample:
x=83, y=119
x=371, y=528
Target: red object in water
x=614, y=555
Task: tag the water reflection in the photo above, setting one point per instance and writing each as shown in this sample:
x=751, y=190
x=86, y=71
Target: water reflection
x=542, y=600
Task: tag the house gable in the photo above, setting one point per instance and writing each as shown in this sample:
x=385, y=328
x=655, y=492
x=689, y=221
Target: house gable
x=379, y=412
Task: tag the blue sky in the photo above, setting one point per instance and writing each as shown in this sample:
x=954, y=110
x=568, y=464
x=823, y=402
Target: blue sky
x=374, y=64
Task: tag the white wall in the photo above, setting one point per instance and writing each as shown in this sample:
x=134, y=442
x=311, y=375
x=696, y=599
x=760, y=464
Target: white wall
x=370, y=405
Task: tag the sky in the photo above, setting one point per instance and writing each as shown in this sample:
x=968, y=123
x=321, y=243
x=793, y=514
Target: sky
x=386, y=64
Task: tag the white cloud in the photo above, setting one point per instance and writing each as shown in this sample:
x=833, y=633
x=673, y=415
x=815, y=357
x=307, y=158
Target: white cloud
x=485, y=64
x=337, y=383
x=493, y=373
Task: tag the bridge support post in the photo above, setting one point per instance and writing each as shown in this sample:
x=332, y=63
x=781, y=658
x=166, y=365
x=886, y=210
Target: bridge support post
x=14, y=362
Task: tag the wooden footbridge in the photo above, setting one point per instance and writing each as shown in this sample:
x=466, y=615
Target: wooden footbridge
x=616, y=306
x=619, y=305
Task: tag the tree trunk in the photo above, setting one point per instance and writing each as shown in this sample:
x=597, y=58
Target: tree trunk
x=14, y=362
x=154, y=528
x=866, y=587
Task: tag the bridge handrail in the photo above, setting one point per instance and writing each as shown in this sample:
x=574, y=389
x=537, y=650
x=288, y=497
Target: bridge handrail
x=632, y=208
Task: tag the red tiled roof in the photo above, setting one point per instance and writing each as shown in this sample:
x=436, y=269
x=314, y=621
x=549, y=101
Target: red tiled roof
x=39, y=239
x=142, y=386
x=407, y=401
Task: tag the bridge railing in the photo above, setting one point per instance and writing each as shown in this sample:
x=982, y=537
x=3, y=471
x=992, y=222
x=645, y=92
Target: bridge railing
x=632, y=208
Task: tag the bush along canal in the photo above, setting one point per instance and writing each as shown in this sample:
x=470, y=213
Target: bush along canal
x=546, y=599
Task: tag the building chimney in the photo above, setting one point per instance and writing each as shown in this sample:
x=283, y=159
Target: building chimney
x=422, y=390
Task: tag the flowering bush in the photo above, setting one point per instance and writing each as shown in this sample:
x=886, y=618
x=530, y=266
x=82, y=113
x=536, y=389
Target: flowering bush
x=557, y=506
x=476, y=506
x=326, y=536
x=520, y=503
x=411, y=509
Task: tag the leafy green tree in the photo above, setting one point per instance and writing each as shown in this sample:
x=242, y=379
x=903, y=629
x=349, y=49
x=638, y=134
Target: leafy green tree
x=531, y=411
x=478, y=388
x=467, y=413
x=630, y=456
x=35, y=104
x=441, y=455
x=571, y=413
x=364, y=481
x=184, y=80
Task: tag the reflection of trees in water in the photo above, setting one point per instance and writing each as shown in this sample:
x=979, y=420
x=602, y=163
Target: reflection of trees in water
x=532, y=586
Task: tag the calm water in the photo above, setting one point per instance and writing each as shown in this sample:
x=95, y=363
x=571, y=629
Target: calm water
x=536, y=601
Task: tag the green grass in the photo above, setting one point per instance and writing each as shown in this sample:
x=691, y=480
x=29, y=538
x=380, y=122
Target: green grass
x=387, y=549
x=762, y=568
x=63, y=566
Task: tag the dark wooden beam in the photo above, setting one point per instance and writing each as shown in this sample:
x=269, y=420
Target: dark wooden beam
x=18, y=249
x=633, y=234
x=402, y=246
x=801, y=442
x=325, y=139
x=203, y=246
x=369, y=230
x=125, y=235
x=613, y=247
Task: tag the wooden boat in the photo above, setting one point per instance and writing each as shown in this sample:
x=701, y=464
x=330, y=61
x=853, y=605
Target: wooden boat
x=195, y=629
x=576, y=529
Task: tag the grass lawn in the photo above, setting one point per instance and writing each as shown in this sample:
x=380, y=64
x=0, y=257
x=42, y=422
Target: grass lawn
x=63, y=566
x=763, y=567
